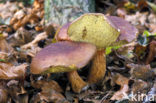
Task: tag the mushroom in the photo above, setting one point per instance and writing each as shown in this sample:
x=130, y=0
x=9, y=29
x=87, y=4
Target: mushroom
x=64, y=56
x=102, y=31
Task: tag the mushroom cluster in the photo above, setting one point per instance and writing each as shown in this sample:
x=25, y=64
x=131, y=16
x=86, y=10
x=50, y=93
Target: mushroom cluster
x=81, y=41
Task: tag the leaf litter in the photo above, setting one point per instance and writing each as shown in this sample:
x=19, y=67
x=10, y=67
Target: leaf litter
x=130, y=69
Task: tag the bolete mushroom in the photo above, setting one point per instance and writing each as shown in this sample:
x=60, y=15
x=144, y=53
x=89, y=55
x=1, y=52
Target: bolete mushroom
x=64, y=56
x=102, y=31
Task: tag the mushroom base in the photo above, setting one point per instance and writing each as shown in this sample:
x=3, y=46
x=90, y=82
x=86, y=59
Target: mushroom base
x=76, y=81
x=98, y=68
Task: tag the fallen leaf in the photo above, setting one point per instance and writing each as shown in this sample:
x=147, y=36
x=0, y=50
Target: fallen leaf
x=139, y=51
x=4, y=96
x=17, y=92
x=29, y=52
x=152, y=28
x=123, y=82
x=138, y=18
x=17, y=16
x=38, y=4
x=139, y=86
x=151, y=93
x=127, y=50
x=121, y=12
x=4, y=46
x=143, y=72
x=152, y=52
x=8, y=9
x=121, y=93
x=51, y=92
x=152, y=18
x=20, y=37
x=46, y=85
x=33, y=43
x=9, y=71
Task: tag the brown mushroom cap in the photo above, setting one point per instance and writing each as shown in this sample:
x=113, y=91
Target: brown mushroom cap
x=128, y=32
x=62, y=57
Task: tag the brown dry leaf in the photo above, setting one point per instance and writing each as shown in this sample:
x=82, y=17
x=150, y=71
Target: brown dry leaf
x=17, y=16
x=139, y=85
x=6, y=28
x=121, y=93
x=91, y=100
x=50, y=29
x=152, y=92
x=45, y=85
x=8, y=71
x=39, y=28
x=29, y=52
x=22, y=22
x=32, y=16
x=29, y=18
x=3, y=93
x=143, y=72
x=38, y=38
x=34, y=19
x=152, y=28
x=38, y=4
x=17, y=92
x=126, y=50
x=38, y=8
x=152, y=23
x=152, y=18
x=123, y=82
x=6, y=51
x=138, y=18
x=52, y=96
x=121, y=12
x=21, y=37
x=51, y=91
x=8, y=9
x=120, y=80
x=16, y=87
x=4, y=46
x=140, y=51
x=3, y=55
x=142, y=4
x=152, y=52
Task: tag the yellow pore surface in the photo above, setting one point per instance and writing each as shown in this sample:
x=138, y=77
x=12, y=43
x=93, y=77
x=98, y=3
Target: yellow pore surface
x=93, y=28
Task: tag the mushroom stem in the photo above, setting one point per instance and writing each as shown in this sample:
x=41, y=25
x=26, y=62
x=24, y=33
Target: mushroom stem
x=76, y=81
x=98, y=68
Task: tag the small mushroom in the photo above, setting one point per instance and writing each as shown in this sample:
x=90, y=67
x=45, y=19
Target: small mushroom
x=102, y=31
x=64, y=56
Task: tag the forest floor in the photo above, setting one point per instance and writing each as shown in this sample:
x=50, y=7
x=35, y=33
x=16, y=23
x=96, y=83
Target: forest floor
x=131, y=69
